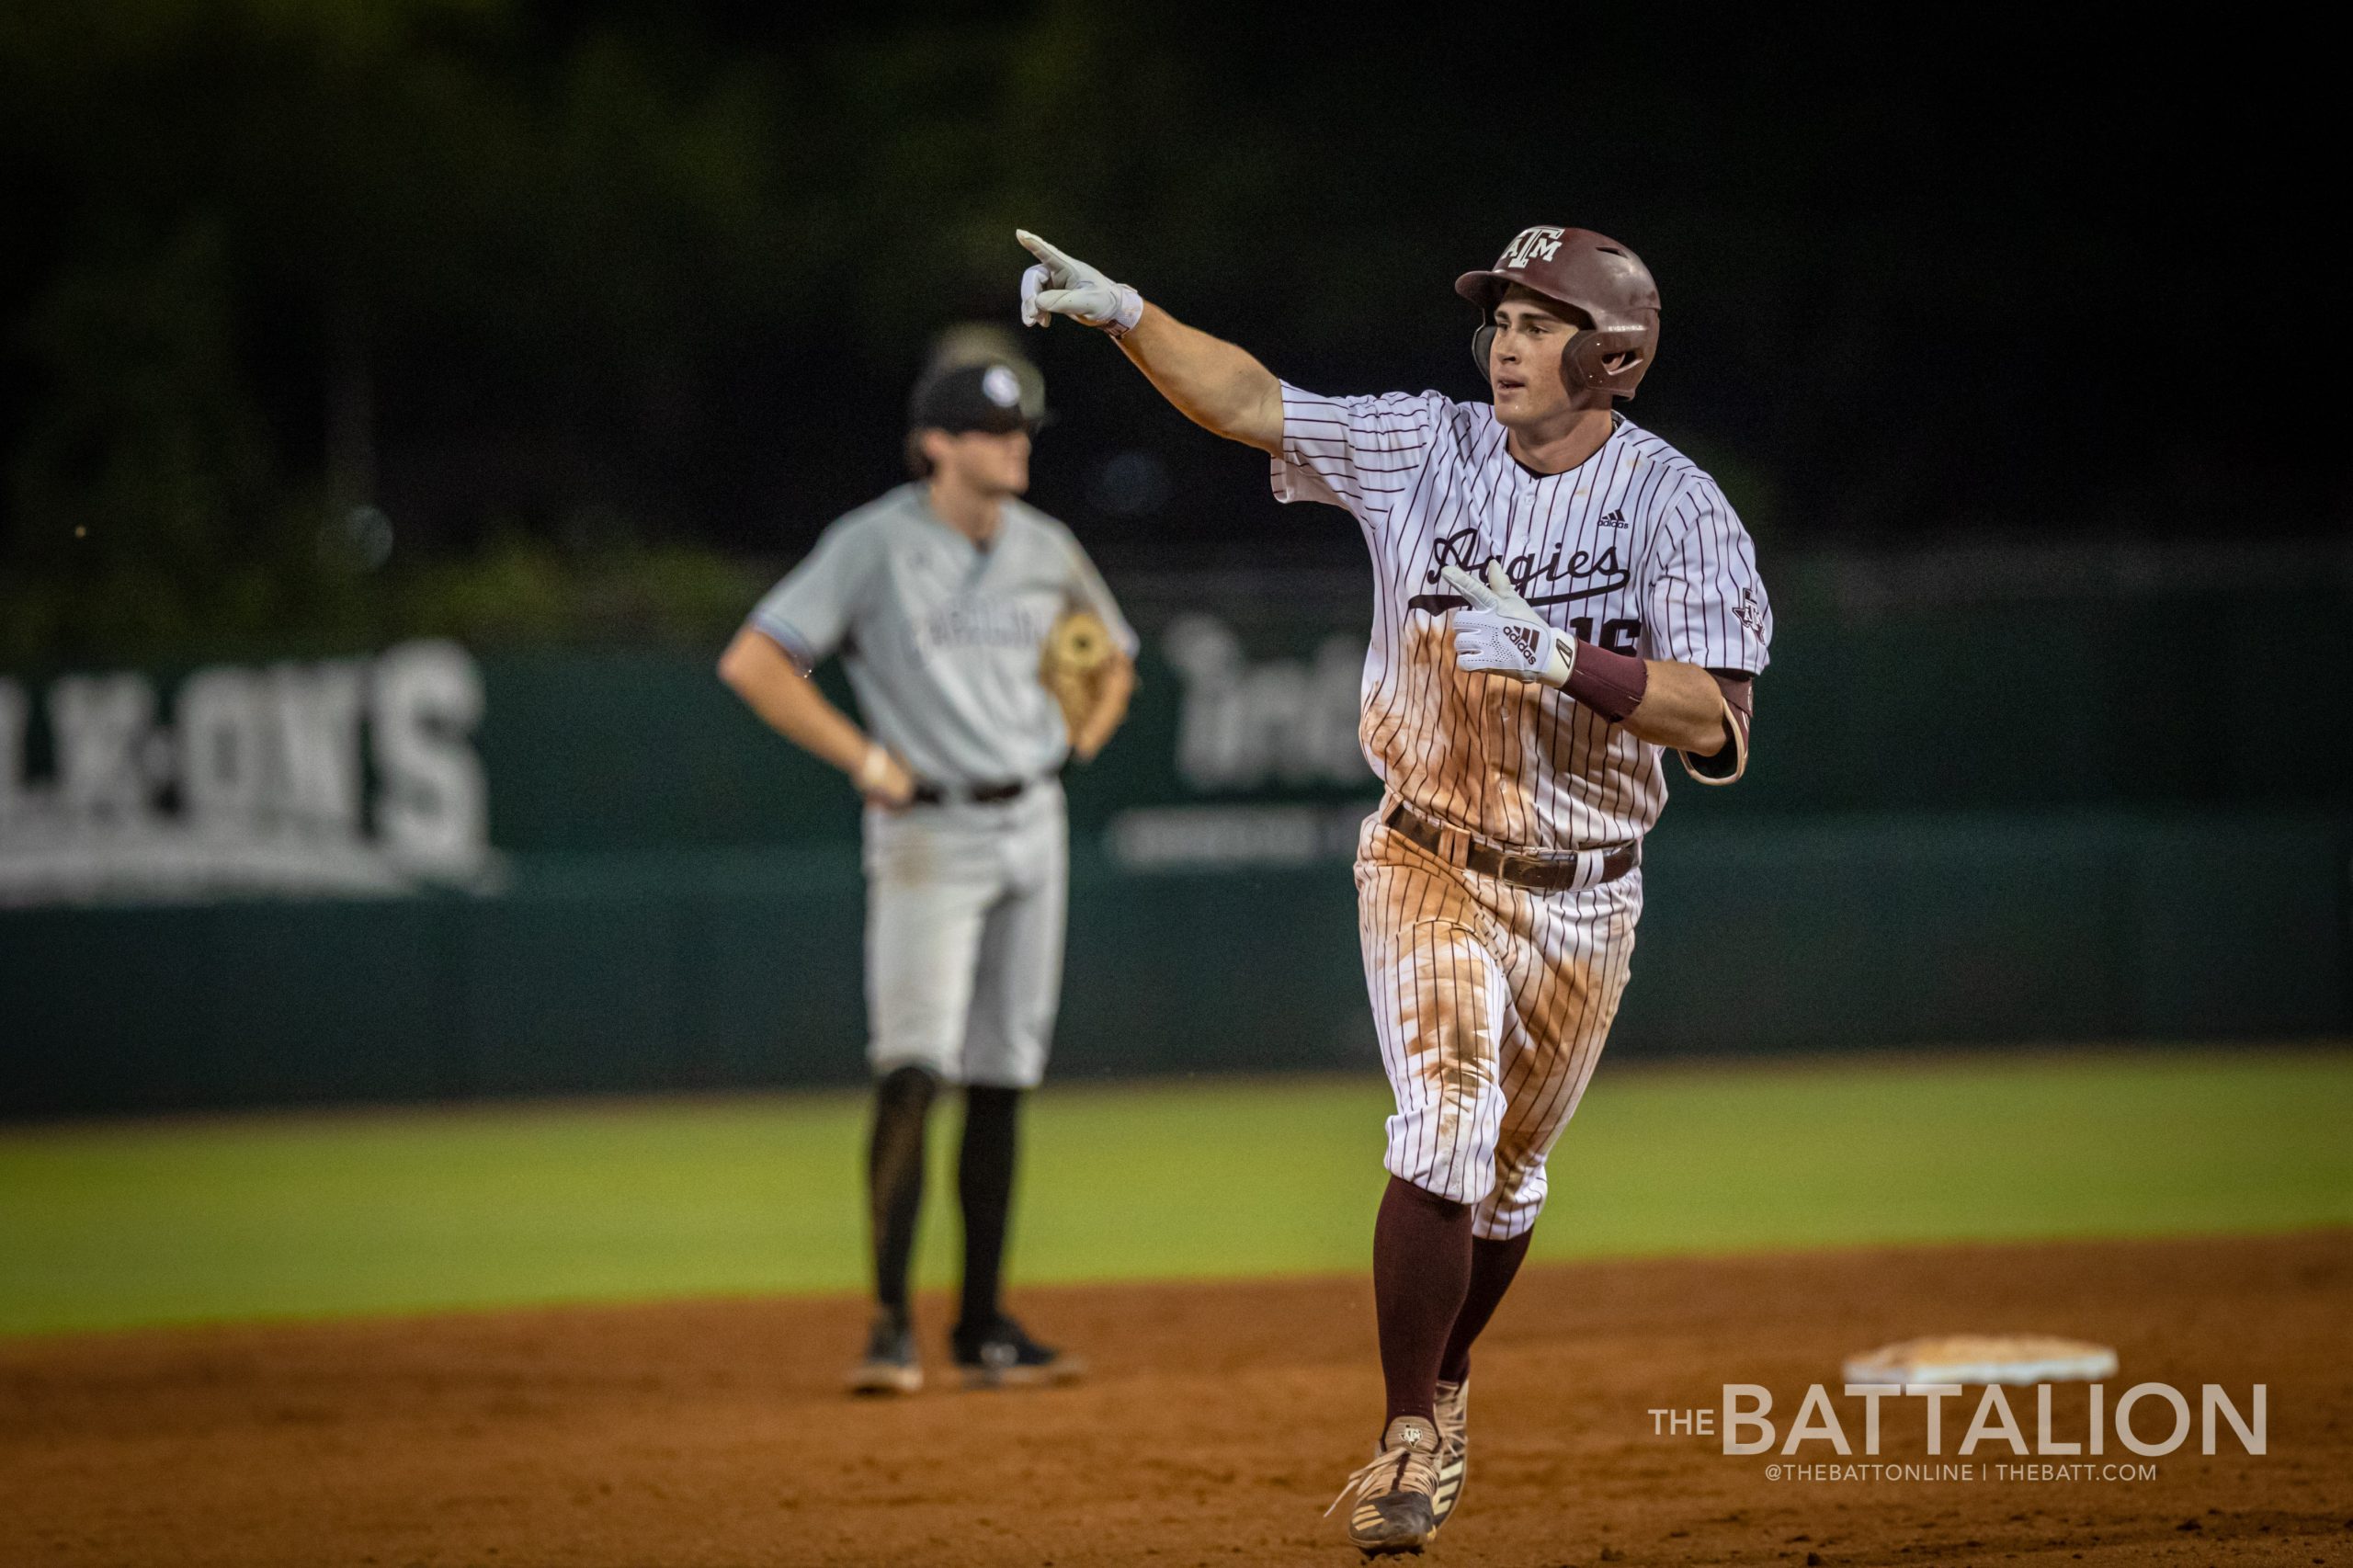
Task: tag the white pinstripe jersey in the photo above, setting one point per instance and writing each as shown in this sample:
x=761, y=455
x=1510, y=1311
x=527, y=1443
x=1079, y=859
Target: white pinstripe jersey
x=1635, y=550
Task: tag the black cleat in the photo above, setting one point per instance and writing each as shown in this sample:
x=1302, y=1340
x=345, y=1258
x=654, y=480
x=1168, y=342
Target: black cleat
x=1001, y=1356
x=890, y=1366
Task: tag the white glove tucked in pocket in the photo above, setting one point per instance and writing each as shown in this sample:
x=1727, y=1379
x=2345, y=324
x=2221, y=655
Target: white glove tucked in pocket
x=1499, y=634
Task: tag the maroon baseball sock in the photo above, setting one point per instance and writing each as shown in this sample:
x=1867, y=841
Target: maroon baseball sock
x=1421, y=1267
x=1493, y=1264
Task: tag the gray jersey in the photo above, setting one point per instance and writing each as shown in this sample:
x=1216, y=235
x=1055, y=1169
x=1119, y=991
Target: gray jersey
x=941, y=638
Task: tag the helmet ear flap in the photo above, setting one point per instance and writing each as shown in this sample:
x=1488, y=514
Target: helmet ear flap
x=1584, y=362
x=1584, y=358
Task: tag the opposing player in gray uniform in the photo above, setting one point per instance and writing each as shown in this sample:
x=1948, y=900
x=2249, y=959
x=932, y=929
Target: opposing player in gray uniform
x=939, y=597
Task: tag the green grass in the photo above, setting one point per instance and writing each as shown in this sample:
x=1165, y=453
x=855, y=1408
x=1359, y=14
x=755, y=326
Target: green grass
x=118, y=1224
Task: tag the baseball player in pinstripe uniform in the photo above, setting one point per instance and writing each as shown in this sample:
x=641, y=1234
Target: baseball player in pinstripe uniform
x=1561, y=599
x=940, y=597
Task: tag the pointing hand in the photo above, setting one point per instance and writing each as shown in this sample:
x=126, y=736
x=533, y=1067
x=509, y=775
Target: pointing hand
x=1064, y=286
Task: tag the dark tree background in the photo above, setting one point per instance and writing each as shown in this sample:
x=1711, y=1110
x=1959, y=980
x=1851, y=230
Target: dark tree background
x=305, y=306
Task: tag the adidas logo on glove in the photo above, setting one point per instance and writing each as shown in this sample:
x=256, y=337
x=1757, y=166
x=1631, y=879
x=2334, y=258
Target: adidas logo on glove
x=1527, y=639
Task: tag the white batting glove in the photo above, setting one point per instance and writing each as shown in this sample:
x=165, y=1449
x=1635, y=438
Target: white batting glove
x=1064, y=286
x=1500, y=635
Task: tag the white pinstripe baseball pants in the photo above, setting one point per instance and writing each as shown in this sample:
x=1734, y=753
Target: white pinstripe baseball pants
x=1491, y=1002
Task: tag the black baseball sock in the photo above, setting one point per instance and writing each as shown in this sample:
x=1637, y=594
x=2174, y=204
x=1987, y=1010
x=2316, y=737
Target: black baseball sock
x=1493, y=1264
x=984, y=1183
x=1421, y=1271
x=894, y=1178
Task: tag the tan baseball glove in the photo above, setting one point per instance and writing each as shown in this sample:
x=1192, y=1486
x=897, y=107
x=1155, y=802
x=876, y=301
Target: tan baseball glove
x=1072, y=666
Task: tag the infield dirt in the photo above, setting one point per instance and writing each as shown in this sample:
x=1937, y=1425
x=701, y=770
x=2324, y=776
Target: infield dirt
x=1220, y=1420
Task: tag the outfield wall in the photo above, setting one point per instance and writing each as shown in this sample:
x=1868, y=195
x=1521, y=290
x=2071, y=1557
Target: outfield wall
x=420, y=872
x=741, y=969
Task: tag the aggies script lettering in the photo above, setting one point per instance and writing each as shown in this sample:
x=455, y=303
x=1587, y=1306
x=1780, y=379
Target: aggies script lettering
x=1594, y=574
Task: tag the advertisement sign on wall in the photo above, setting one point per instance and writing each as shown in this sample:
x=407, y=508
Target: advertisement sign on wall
x=355, y=775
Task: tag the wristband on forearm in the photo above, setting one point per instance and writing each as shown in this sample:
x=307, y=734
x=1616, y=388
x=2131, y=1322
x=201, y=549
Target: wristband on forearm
x=1130, y=312
x=871, y=767
x=1610, y=684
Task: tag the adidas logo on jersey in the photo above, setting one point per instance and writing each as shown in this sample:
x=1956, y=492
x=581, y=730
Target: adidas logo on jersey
x=1613, y=518
x=1527, y=639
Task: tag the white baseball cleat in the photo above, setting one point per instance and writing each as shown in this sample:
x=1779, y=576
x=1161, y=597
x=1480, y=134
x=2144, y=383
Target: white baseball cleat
x=1392, y=1493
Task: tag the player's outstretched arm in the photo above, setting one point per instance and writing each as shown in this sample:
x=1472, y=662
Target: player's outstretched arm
x=758, y=671
x=1217, y=386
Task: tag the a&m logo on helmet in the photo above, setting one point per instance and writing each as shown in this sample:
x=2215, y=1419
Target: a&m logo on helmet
x=1540, y=242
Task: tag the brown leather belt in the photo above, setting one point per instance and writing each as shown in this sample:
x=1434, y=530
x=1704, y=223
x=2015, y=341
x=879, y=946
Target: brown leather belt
x=1549, y=873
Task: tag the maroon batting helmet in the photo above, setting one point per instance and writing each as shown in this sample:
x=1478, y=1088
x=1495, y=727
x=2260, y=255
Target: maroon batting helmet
x=1591, y=273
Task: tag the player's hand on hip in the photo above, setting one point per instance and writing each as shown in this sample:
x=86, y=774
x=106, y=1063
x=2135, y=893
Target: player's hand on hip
x=1500, y=635
x=882, y=779
x=1061, y=285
